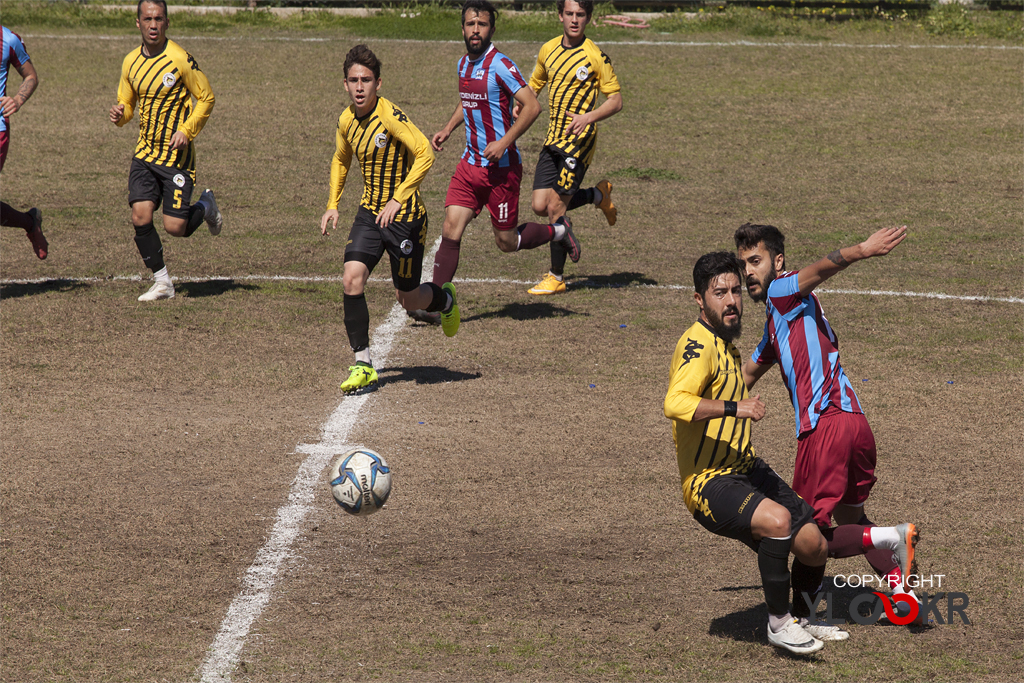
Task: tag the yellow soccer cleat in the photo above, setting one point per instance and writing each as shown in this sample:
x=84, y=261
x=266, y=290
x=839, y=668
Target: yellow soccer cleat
x=451, y=319
x=610, y=212
x=549, y=285
x=360, y=376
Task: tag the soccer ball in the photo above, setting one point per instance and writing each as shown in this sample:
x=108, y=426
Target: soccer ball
x=360, y=481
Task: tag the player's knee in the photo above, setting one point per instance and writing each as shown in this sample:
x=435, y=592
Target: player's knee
x=539, y=206
x=777, y=523
x=175, y=226
x=507, y=241
x=353, y=284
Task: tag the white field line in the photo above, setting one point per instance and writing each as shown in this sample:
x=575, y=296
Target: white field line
x=673, y=43
x=575, y=284
x=258, y=582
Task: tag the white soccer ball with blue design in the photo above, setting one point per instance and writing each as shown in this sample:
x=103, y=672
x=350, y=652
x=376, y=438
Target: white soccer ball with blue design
x=360, y=481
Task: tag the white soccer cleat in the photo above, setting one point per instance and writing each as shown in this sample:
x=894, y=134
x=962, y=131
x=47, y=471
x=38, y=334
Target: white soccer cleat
x=822, y=630
x=159, y=290
x=214, y=218
x=794, y=638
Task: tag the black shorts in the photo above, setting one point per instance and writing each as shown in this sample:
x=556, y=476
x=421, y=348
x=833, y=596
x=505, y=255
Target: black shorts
x=149, y=182
x=732, y=498
x=559, y=171
x=403, y=240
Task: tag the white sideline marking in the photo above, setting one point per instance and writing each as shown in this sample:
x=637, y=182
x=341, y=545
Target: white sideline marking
x=673, y=43
x=575, y=284
x=259, y=580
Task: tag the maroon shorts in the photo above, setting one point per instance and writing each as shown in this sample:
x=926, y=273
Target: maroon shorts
x=5, y=141
x=835, y=463
x=475, y=187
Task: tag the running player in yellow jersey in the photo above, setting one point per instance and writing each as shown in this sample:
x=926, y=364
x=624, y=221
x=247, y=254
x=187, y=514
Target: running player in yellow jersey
x=394, y=157
x=574, y=70
x=161, y=79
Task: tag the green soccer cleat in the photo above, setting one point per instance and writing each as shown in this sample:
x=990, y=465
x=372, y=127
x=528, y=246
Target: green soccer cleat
x=450, y=319
x=360, y=376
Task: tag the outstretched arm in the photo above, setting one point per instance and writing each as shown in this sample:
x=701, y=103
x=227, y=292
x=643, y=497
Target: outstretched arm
x=879, y=244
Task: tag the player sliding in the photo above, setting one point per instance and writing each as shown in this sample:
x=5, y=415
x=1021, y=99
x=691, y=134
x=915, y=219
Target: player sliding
x=574, y=70
x=727, y=488
x=394, y=156
x=491, y=168
x=835, y=458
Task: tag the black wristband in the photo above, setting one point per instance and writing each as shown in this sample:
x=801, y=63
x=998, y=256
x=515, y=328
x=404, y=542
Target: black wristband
x=730, y=408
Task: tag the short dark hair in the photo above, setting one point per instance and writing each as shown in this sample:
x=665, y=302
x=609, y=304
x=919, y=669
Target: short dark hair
x=749, y=235
x=480, y=6
x=586, y=5
x=710, y=266
x=138, y=8
x=363, y=56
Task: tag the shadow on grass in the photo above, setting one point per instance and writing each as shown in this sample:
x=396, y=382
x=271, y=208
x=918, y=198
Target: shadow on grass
x=16, y=290
x=747, y=625
x=522, y=312
x=610, y=281
x=425, y=374
x=212, y=287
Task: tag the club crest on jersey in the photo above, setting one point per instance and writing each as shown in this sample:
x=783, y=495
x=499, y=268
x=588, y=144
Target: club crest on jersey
x=478, y=74
x=381, y=139
x=179, y=180
x=169, y=80
x=582, y=73
x=406, y=247
x=570, y=163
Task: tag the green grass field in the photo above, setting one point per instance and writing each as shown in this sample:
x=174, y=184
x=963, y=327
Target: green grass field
x=536, y=531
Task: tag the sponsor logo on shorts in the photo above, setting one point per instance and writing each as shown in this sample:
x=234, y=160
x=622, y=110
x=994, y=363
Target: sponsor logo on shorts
x=169, y=80
x=571, y=163
x=406, y=247
x=582, y=73
x=381, y=139
x=179, y=180
x=745, y=501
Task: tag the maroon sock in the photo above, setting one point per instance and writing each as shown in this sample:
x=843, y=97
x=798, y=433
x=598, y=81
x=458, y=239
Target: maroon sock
x=846, y=540
x=882, y=560
x=532, y=235
x=11, y=217
x=446, y=261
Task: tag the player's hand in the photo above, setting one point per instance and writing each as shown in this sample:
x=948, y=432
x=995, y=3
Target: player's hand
x=9, y=105
x=387, y=214
x=494, y=151
x=179, y=140
x=577, y=123
x=330, y=216
x=116, y=112
x=515, y=110
x=751, y=408
x=883, y=241
x=439, y=139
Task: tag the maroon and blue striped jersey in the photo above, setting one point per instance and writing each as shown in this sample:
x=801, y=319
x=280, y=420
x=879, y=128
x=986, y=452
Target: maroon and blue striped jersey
x=487, y=88
x=799, y=338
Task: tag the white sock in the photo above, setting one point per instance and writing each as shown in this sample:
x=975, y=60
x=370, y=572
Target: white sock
x=557, y=277
x=162, y=276
x=448, y=303
x=884, y=537
x=364, y=356
x=559, y=227
x=776, y=622
x=597, y=197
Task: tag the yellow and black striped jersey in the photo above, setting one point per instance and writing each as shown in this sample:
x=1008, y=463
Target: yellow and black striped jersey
x=394, y=156
x=163, y=87
x=574, y=75
x=706, y=366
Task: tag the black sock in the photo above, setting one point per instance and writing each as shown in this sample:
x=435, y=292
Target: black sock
x=805, y=579
x=582, y=197
x=152, y=251
x=439, y=300
x=773, y=561
x=196, y=214
x=357, y=322
x=558, y=257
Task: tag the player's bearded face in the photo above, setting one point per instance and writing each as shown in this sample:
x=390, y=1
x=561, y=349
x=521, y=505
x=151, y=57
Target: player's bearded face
x=760, y=271
x=477, y=32
x=723, y=306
